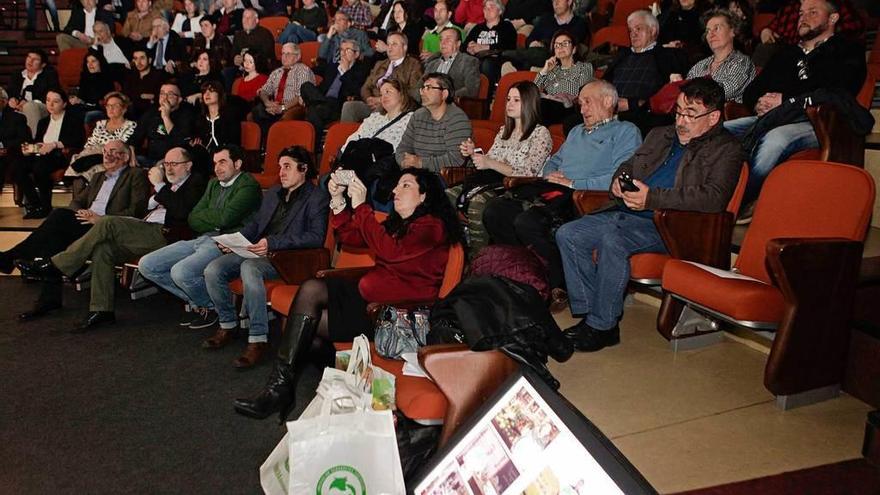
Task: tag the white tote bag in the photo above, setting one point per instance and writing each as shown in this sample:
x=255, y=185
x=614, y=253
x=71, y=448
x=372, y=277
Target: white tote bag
x=354, y=453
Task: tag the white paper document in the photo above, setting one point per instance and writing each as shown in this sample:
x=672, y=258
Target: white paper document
x=412, y=366
x=236, y=243
x=724, y=273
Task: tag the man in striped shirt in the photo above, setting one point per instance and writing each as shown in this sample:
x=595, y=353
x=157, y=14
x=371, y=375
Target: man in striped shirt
x=435, y=132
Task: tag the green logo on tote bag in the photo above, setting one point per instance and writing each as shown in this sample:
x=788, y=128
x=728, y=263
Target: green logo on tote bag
x=341, y=480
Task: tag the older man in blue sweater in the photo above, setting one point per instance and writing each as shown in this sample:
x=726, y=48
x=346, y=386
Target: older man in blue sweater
x=528, y=215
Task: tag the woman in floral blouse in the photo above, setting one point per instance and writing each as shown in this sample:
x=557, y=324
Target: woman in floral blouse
x=89, y=161
x=520, y=149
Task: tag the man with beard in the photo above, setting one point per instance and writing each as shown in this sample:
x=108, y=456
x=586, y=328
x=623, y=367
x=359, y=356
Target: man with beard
x=821, y=60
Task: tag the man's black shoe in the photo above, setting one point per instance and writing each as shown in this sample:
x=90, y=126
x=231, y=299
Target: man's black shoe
x=588, y=339
x=39, y=269
x=6, y=265
x=94, y=320
x=40, y=309
x=36, y=213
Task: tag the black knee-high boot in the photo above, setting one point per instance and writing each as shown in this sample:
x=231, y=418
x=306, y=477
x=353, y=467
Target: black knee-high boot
x=278, y=394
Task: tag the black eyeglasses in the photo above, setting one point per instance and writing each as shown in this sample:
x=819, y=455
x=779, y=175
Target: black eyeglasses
x=426, y=87
x=690, y=117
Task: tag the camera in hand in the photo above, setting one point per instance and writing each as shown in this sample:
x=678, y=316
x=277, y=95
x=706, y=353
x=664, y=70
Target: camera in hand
x=344, y=177
x=626, y=183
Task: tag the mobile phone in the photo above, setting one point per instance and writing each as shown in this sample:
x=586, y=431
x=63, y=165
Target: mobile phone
x=478, y=150
x=344, y=177
x=626, y=183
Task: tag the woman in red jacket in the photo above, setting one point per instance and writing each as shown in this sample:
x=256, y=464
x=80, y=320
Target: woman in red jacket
x=411, y=249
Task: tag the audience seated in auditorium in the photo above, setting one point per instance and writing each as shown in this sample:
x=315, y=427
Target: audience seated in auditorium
x=115, y=127
x=341, y=82
x=391, y=120
x=13, y=132
x=256, y=73
x=488, y=39
x=538, y=46
x=727, y=66
x=203, y=69
x=94, y=84
x=228, y=18
x=27, y=89
x=640, y=71
x=340, y=30
x=33, y=174
x=229, y=201
x=561, y=79
x=106, y=46
x=218, y=45
x=822, y=60
x=784, y=29
x=411, y=248
x=431, y=38
x=305, y=23
x=79, y=31
x=693, y=166
x=398, y=65
x=167, y=125
x=187, y=24
x=166, y=48
x=681, y=26
x=463, y=68
x=280, y=97
x=114, y=240
x=521, y=147
x=293, y=215
x=401, y=21
x=142, y=83
x=217, y=125
x=119, y=190
x=358, y=12
x=139, y=22
x=252, y=38
x=587, y=159
x=434, y=134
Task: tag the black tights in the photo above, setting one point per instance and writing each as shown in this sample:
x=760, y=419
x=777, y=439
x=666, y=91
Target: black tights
x=312, y=299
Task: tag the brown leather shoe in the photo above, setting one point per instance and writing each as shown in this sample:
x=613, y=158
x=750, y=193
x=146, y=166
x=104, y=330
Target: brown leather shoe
x=558, y=300
x=253, y=354
x=220, y=338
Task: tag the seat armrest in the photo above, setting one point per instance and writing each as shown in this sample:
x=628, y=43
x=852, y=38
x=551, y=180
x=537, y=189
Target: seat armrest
x=454, y=176
x=298, y=265
x=589, y=201
x=465, y=377
x=694, y=236
x=817, y=278
x=837, y=141
x=513, y=181
x=349, y=273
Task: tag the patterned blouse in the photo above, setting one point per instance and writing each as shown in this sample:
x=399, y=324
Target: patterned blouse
x=100, y=136
x=565, y=81
x=393, y=134
x=526, y=157
x=734, y=74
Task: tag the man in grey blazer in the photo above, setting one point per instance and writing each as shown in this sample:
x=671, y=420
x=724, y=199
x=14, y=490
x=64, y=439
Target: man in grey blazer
x=463, y=68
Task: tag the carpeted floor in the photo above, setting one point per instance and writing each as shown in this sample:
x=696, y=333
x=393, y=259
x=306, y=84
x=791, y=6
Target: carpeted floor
x=137, y=407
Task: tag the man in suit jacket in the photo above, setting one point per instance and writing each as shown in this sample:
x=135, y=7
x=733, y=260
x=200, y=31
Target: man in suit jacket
x=398, y=65
x=293, y=215
x=463, y=68
x=79, y=31
x=116, y=240
x=341, y=82
x=13, y=132
x=166, y=47
x=118, y=190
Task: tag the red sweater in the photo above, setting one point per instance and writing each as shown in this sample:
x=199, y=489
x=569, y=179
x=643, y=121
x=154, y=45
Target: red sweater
x=408, y=268
x=469, y=11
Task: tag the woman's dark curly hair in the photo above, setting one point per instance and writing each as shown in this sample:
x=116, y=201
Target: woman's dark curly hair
x=436, y=203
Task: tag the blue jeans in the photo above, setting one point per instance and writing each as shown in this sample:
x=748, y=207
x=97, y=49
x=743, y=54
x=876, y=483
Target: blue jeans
x=32, y=14
x=180, y=267
x=252, y=271
x=597, y=289
x=772, y=149
x=294, y=33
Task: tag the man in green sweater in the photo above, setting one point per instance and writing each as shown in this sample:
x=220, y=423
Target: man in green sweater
x=228, y=203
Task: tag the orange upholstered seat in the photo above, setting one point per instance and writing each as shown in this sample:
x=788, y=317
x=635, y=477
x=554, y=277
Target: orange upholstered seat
x=282, y=134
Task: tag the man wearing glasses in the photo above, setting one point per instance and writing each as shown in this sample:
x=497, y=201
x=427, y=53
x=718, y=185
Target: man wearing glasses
x=169, y=124
x=115, y=240
x=692, y=166
x=117, y=191
x=433, y=137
